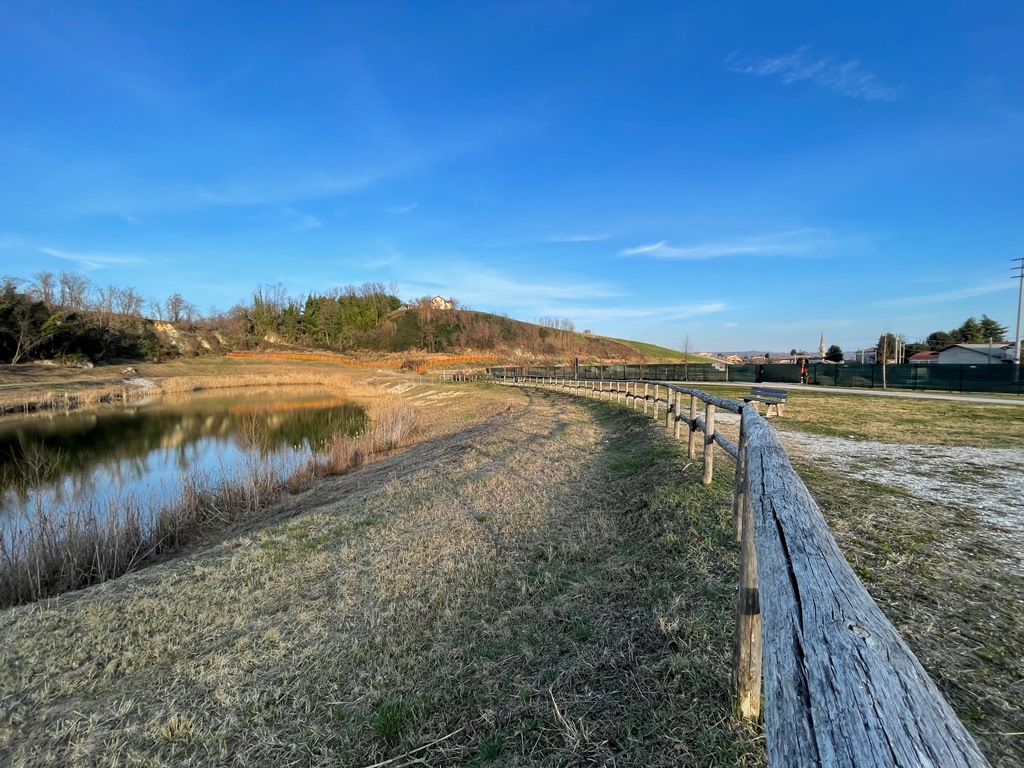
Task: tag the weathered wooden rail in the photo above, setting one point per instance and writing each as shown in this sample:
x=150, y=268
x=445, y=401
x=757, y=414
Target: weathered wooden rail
x=840, y=686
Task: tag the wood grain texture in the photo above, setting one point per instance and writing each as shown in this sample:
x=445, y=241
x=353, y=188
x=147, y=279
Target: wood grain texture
x=841, y=687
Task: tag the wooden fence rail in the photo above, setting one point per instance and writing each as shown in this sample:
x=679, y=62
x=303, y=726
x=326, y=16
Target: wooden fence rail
x=840, y=686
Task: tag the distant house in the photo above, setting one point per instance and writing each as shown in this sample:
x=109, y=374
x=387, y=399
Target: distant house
x=976, y=354
x=440, y=302
x=924, y=358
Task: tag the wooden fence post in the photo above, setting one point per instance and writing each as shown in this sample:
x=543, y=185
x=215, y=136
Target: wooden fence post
x=655, y=402
x=740, y=487
x=669, y=407
x=709, y=444
x=691, y=447
x=645, y=398
x=679, y=414
x=746, y=659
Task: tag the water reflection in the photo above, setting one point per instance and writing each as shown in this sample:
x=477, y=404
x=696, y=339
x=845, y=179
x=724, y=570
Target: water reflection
x=145, y=450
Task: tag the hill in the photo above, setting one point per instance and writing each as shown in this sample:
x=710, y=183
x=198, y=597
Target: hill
x=661, y=353
x=39, y=323
x=463, y=331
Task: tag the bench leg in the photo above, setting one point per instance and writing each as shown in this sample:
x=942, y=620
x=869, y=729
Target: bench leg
x=768, y=410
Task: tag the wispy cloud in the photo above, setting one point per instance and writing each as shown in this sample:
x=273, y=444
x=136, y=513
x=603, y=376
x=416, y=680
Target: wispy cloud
x=473, y=285
x=939, y=298
x=93, y=261
x=399, y=209
x=298, y=220
x=798, y=242
x=575, y=238
x=311, y=187
x=664, y=313
x=846, y=78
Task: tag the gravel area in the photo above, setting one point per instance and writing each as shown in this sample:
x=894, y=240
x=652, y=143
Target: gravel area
x=988, y=481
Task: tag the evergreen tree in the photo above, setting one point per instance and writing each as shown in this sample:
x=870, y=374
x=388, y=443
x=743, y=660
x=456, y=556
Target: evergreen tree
x=990, y=329
x=968, y=333
x=939, y=340
x=835, y=354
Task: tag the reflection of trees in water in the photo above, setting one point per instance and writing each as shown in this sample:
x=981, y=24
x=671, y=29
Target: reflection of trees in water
x=42, y=452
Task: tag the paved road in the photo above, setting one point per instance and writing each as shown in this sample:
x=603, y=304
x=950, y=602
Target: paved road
x=983, y=399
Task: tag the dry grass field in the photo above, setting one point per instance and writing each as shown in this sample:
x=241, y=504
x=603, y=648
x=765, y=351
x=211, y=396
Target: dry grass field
x=537, y=581
x=540, y=581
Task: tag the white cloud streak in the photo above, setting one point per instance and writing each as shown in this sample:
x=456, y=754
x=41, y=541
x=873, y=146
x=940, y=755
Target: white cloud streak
x=798, y=242
x=404, y=208
x=845, y=78
x=575, y=238
x=298, y=220
x=312, y=187
x=475, y=286
x=940, y=298
x=676, y=312
x=92, y=261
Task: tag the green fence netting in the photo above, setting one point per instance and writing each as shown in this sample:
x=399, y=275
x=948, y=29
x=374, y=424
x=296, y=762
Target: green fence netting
x=997, y=378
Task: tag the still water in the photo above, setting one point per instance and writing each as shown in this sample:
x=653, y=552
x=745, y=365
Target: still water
x=56, y=461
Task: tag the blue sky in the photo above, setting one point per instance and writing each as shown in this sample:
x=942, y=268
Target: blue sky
x=748, y=174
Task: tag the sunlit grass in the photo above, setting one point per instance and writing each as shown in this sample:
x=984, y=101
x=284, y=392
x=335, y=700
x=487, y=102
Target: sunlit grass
x=550, y=586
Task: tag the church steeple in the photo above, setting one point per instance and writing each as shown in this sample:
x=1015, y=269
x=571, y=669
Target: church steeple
x=821, y=346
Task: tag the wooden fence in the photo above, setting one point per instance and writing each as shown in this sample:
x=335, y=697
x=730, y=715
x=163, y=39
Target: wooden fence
x=840, y=687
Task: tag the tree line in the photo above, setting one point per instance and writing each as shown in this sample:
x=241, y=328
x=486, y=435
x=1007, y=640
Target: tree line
x=56, y=315
x=970, y=331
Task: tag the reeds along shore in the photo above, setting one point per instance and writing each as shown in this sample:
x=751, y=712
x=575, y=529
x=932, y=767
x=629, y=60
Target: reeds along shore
x=128, y=390
x=61, y=550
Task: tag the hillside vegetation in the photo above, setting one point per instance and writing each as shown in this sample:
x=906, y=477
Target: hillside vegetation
x=64, y=317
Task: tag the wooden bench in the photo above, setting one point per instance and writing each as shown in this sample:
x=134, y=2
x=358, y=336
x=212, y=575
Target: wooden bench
x=773, y=398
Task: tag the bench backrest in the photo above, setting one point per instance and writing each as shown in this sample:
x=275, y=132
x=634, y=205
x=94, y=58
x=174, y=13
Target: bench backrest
x=778, y=394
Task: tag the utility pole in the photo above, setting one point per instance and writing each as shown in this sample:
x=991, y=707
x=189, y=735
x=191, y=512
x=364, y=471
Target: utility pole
x=1020, y=296
x=885, y=354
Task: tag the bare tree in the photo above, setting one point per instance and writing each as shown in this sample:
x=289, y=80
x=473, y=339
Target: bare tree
x=73, y=291
x=175, y=308
x=105, y=298
x=687, y=349
x=129, y=302
x=375, y=293
x=45, y=288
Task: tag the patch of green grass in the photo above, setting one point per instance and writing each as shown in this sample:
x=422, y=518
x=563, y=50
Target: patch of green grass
x=582, y=630
x=488, y=751
x=391, y=719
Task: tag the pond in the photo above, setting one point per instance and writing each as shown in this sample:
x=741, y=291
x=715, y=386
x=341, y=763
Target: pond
x=146, y=451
